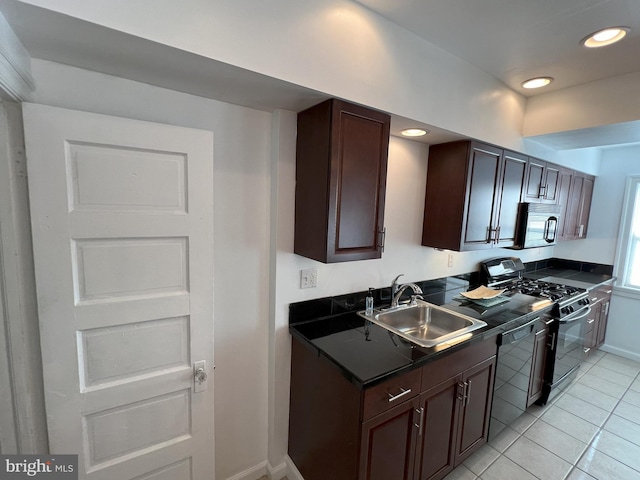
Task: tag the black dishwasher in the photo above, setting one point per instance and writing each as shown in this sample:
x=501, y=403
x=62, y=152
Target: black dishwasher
x=513, y=375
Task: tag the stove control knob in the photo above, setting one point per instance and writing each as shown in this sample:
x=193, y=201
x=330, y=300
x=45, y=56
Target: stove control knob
x=570, y=307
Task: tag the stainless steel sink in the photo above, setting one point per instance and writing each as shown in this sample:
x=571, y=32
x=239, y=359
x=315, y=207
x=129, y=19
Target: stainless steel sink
x=426, y=324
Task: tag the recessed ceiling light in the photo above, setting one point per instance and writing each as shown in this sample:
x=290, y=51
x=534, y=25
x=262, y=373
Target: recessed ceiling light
x=414, y=132
x=537, y=82
x=605, y=37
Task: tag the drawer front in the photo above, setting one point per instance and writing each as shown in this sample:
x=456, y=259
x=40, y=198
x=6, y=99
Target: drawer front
x=453, y=364
x=391, y=393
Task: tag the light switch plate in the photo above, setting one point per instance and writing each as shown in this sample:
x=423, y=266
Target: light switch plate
x=309, y=278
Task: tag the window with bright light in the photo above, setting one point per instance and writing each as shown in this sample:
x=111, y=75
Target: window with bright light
x=629, y=238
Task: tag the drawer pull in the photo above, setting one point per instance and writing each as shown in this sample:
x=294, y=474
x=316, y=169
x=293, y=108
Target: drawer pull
x=402, y=393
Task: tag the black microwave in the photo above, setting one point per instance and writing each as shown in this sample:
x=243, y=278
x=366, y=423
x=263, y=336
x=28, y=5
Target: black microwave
x=538, y=225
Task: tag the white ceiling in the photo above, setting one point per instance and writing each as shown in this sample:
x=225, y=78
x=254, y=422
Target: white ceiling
x=514, y=40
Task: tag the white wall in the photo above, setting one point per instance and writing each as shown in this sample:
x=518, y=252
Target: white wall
x=337, y=47
x=603, y=102
x=606, y=206
x=601, y=243
x=241, y=229
x=583, y=159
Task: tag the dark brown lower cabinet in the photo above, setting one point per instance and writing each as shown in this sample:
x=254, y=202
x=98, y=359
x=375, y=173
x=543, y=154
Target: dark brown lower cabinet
x=455, y=420
x=539, y=360
x=387, y=443
x=415, y=426
x=596, y=329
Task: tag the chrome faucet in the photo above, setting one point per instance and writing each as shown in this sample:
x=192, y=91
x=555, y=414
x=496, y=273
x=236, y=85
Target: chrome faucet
x=394, y=285
x=398, y=290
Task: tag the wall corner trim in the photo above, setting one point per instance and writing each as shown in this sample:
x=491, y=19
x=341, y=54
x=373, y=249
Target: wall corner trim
x=16, y=81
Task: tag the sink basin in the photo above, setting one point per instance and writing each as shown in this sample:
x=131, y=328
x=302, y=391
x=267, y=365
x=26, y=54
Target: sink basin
x=426, y=324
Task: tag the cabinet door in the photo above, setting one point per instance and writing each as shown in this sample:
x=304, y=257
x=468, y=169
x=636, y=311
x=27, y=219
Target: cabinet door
x=473, y=424
x=591, y=331
x=341, y=170
x=539, y=363
x=535, y=181
x=440, y=405
x=604, y=294
x=512, y=181
x=564, y=187
x=602, y=324
x=484, y=170
x=388, y=444
x=573, y=208
x=551, y=186
x=585, y=206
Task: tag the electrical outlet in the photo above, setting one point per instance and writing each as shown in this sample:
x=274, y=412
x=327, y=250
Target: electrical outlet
x=309, y=278
x=450, y=260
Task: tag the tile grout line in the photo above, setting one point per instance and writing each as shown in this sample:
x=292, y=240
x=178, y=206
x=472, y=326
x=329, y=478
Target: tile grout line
x=601, y=428
x=520, y=435
x=588, y=445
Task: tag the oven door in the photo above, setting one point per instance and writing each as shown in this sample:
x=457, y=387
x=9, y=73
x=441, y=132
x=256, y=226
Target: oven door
x=569, y=351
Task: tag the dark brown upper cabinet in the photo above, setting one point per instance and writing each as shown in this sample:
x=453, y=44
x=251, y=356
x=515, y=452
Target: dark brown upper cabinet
x=341, y=171
x=578, y=208
x=564, y=189
x=543, y=182
x=472, y=196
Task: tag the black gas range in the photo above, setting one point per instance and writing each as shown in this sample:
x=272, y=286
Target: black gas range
x=508, y=273
x=566, y=323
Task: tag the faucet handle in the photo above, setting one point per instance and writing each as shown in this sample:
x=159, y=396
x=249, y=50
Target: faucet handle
x=414, y=299
x=394, y=284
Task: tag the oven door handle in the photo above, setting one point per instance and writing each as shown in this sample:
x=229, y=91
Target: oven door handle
x=521, y=327
x=573, y=319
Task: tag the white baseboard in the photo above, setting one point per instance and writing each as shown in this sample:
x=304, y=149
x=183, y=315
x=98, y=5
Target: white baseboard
x=292, y=470
x=278, y=472
x=621, y=352
x=253, y=473
x=286, y=468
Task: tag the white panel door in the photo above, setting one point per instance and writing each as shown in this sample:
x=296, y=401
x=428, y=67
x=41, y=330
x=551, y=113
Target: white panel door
x=122, y=218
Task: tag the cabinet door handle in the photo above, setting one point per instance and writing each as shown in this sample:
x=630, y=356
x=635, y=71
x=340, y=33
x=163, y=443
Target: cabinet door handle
x=587, y=350
x=591, y=321
x=383, y=238
x=461, y=388
x=543, y=190
x=553, y=340
x=467, y=397
x=420, y=412
x=403, y=392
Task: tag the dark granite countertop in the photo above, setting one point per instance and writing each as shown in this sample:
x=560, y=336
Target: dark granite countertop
x=367, y=354
x=587, y=280
x=570, y=272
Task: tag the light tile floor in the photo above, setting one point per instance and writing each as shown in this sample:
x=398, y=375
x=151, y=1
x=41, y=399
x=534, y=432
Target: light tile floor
x=590, y=431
